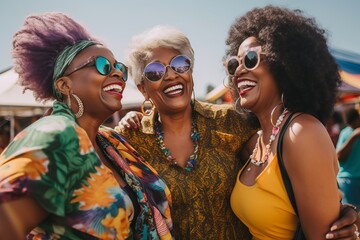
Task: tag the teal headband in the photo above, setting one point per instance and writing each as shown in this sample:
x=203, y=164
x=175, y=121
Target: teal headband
x=64, y=59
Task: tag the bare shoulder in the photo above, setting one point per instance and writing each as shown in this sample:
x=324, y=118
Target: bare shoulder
x=307, y=139
x=304, y=128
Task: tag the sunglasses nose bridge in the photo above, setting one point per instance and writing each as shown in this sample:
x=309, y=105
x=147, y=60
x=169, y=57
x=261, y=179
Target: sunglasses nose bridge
x=117, y=72
x=241, y=66
x=167, y=73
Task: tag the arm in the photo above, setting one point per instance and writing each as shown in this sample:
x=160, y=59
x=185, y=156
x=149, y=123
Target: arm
x=345, y=149
x=29, y=188
x=14, y=223
x=310, y=159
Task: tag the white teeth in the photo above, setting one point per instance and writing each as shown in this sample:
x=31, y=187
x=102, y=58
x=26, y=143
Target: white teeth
x=175, y=92
x=173, y=88
x=246, y=83
x=116, y=87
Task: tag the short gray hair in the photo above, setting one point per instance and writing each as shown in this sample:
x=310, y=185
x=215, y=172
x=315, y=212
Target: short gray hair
x=141, y=48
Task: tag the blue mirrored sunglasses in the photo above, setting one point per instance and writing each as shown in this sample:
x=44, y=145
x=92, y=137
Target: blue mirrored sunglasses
x=155, y=71
x=103, y=66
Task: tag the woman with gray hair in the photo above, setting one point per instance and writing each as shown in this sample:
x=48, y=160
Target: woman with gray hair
x=191, y=144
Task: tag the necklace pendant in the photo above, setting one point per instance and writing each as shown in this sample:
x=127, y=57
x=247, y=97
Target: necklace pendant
x=256, y=163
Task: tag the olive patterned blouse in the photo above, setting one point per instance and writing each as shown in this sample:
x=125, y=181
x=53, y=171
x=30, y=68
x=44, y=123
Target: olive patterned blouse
x=201, y=198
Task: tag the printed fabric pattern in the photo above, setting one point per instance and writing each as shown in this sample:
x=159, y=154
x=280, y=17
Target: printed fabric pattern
x=201, y=198
x=54, y=162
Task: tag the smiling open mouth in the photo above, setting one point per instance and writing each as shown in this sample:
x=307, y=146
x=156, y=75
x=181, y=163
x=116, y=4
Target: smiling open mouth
x=176, y=89
x=245, y=85
x=113, y=88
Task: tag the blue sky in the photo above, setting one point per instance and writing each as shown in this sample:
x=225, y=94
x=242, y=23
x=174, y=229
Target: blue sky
x=205, y=22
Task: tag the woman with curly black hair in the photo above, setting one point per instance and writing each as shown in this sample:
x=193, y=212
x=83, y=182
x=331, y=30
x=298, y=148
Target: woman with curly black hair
x=279, y=63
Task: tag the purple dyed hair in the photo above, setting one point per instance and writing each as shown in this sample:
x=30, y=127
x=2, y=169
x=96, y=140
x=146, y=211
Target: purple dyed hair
x=36, y=46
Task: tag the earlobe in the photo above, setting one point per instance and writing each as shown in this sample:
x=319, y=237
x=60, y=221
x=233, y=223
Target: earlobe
x=63, y=85
x=142, y=90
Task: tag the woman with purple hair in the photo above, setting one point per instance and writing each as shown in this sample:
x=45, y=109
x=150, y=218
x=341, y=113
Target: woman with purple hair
x=66, y=176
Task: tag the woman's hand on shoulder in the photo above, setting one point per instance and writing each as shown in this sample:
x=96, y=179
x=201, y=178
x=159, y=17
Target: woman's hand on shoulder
x=19, y=217
x=132, y=120
x=347, y=226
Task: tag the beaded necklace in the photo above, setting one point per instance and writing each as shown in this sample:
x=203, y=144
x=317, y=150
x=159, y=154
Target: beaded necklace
x=274, y=132
x=191, y=162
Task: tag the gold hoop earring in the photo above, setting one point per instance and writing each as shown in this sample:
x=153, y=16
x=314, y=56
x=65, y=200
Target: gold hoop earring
x=58, y=95
x=272, y=113
x=68, y=100
x=144, y=110
x=80, y=106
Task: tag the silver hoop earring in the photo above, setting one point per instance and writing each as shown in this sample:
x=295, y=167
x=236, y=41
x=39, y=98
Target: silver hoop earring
x=237, y=104
x=226, y=81
x=282, y=99
x=239, y=109
x=145, y=109
x=80, y=106
x=272, y=113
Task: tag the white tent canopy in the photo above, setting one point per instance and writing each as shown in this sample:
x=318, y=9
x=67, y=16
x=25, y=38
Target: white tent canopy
x=15, y=102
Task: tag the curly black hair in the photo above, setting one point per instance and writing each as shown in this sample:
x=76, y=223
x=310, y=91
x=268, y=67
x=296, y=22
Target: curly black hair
x=297, y=54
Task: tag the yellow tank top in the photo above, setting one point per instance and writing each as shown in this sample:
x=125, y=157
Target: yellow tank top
x=265, y=207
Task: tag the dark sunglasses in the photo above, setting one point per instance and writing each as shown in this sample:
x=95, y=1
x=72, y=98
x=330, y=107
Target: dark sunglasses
x=103, y=66
x=155, y=71
x=250, y=60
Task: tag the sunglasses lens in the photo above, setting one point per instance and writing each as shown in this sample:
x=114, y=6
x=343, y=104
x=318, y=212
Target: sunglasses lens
x=232, y=65
x=251, y=60
x=180, y=64
x=103, y=65
x=154, y=71
x=122, y=68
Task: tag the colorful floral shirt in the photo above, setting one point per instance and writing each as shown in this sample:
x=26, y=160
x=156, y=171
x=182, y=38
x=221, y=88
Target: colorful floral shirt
x=201, y=198
x=54, y=162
